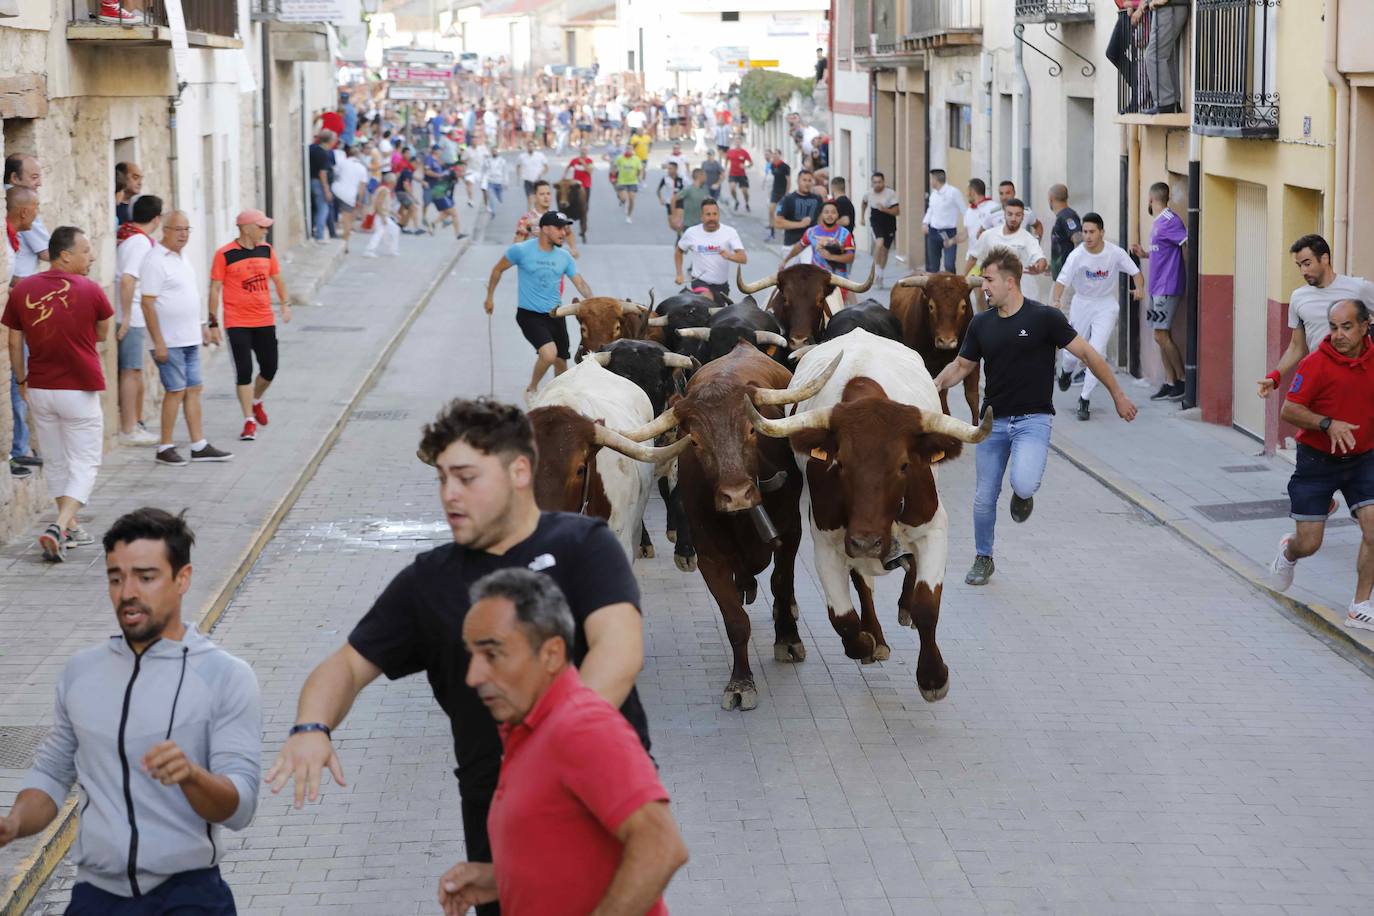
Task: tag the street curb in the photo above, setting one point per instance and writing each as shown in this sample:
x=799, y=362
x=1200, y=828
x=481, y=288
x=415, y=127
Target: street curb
x=57, y=838
x=1322, y=621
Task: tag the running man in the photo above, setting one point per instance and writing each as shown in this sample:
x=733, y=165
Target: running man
x=739, y=161
x=1011, y=235
x=882, y=207
x=673, y=184
x=711, y=246
x=1091, y=271
x=542, y=264
x=581, y=167
x=832, y=245
x=628, y=169
x=239, y=274
x=781, y=175
x=1331, y=401
x=1016, y=340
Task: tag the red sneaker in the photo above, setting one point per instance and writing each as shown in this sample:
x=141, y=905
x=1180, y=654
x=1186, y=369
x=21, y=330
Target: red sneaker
x=250, y=431
x=259, y=414
x=112, y=12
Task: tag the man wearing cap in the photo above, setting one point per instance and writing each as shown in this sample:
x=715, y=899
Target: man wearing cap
x=241, y=270
x=542, y=264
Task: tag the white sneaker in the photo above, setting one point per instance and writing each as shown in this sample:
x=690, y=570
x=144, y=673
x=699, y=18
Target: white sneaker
x=139, y=436
x=1282, y=569
x=628, y=220
x=1360, y=615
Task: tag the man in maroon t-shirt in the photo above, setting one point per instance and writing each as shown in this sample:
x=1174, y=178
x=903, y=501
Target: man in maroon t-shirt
x=739, y=160
x=1331, y=401
x=61, y=315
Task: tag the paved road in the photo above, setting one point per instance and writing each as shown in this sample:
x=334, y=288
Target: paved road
x=1129, y=730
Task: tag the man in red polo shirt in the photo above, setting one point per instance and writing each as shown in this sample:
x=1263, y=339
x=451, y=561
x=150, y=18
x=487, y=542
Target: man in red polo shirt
x=1331, y=401
x=580, y=822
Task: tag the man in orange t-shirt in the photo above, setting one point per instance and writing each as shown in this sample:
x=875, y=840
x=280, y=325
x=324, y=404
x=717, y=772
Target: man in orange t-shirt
x=241, y=271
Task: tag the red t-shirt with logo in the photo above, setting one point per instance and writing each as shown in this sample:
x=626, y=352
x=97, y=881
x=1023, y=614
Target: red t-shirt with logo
x=582, y=171
x=739, y=161
x=1339, y=387
x=57, y=312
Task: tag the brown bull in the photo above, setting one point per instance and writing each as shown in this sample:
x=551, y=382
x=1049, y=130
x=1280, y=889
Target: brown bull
x=606, y=319
x=935, y=311
x=741, y=497
x=799, y=302
x=572, y=200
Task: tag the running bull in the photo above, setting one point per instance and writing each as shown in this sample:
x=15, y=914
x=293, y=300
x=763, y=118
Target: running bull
x=802, y=300
x=572, y=200
x=935, y=311
x=603, y=319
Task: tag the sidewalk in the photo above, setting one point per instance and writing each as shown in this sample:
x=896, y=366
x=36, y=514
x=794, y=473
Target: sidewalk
x=329, y=354
x=1214, y=486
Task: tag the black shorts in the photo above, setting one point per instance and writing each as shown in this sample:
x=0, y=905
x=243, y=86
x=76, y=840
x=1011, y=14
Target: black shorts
x=885, y=234
x=1318, y=475
x=776, y=196
x=529, y=189
x=741, y=180
x=540, y=329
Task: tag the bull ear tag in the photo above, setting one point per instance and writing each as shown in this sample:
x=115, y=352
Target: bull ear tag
x=820, y=454
x=937, y=457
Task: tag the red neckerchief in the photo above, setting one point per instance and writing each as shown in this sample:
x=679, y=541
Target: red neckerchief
x=129, y=230
x=13, y=235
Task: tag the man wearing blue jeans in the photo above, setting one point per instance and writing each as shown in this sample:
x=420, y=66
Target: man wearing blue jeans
x=940, y=225
x=1016, y=339
x=321, y=180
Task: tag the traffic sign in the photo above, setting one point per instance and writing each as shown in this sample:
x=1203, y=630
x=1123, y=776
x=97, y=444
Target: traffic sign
x=405, y=92
x=404, y=74
x=417, y=57
x=761, y=64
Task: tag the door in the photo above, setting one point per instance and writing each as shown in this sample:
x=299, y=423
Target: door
x=1080, y=154
x=1250, y=309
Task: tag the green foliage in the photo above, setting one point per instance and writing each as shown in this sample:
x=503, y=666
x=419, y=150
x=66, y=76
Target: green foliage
x=763, y=92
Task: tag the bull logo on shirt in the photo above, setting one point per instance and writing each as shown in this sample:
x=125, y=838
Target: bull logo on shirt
x=44, y=303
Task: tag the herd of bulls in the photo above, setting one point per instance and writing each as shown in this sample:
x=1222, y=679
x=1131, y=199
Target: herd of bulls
x=738, y=411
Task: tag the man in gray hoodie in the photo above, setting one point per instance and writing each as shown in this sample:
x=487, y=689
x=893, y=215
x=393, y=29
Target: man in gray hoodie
x=162, y=728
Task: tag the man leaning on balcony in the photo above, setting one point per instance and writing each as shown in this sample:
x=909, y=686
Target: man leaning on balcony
x=1167, y=25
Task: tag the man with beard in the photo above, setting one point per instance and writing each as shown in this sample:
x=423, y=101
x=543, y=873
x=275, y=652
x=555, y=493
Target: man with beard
x=485, y=457
x=711, y=245
x=1012, y=236
x=162, y=729
x=832, y=245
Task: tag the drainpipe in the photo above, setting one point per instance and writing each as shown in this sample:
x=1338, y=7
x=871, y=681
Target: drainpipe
x=1124, y=191
x=924, y=180
x=1341, y=159
x=1019, y=56
x=266, y=35
x=1193, y=255
x=172, y=157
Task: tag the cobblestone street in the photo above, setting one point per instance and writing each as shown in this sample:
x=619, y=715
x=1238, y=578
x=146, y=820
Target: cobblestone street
x=1130, y=728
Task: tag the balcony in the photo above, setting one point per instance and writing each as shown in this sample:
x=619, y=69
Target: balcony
x=1152, y=87
x=1236, y=56
x=943, y=23
x=1067, y=11
x=875, y=36
x=209, y=24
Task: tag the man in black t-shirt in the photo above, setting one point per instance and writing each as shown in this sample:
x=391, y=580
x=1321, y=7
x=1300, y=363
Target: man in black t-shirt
x=781, y=173
x=321, y=177
x=1067, y=233
x=843, y=203
x=798, y=210
x=1016, y=341
x=484, y=454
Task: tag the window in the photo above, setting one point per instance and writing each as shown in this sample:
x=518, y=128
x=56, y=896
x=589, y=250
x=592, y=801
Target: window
x=729, y=17
x=960, y=118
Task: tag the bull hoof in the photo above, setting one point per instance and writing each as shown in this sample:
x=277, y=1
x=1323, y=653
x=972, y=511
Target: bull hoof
x=672, y=535
x=882, y=653
x=750, y=594
x=903, y=617
x=741, y=694
x=647, y=551
x=685, y=564
x=796, y=611
x=935, y=695
x=789, y=652
x=864, y=653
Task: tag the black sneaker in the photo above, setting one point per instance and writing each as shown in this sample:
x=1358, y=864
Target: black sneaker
x=1176, y=393
x=1165, y=392
x=18, y=471
x=1021, y=509
x=1079, y=376
x=981, y=571
x=28, y=461
x=210, y=453
x=1065, y=379
x=171, y=458
x=1083, y=412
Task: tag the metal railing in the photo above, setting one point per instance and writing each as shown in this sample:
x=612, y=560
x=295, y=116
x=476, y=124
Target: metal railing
x=1054, y=10
x=217, y=17
x=1236, y=65
x=935, y=17
x=1150, y=61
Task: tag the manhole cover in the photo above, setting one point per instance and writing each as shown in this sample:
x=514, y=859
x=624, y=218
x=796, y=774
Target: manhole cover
x=1246, y=511
x=333, y=328
x=381, y=414
x=17, y=744
x=1245, y=468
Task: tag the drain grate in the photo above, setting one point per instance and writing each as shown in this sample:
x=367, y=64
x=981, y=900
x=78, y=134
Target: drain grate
x=333, y=328
x=18, y=743
x=1245, y=468
x=1253, y=510
x=381, y=414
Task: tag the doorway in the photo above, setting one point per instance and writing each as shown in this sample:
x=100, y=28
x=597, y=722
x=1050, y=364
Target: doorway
x=1079, y=174
x=1250, y=308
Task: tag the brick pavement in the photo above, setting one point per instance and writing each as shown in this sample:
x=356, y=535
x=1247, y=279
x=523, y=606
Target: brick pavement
x=1129, y=730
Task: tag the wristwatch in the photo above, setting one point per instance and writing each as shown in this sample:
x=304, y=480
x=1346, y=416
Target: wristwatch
x=1325, y=424
x=311, y=727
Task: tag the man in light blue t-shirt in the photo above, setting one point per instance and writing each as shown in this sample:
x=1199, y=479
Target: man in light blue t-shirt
x=542, y=263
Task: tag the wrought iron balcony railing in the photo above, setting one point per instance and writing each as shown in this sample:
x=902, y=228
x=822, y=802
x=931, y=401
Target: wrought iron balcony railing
x=1028, y=11
x=1149, y=61
x=212, y=17
x=1236, y=65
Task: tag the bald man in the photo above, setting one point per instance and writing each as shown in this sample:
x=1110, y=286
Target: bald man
x=21, y=212
x=1067, y=233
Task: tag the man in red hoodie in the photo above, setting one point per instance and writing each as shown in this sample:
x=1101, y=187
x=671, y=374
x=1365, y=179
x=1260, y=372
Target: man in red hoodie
x=1331, y=401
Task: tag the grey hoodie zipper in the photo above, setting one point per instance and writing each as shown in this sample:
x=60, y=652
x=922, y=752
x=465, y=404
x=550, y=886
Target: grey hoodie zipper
x=128, y=785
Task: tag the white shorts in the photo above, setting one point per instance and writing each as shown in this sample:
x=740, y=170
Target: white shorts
x=70, y=427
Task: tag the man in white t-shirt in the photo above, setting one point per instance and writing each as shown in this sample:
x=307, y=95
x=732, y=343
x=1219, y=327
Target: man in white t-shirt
x=636, y=119
x=1006, y=192
x=1010, y=235
x=349, y=187
x=1309, y=305
x=531, y=165
x=1091, y=271
x=135, y=240
x=172, y=305
x=681, y=160
x=979, y=211
x=711, y=246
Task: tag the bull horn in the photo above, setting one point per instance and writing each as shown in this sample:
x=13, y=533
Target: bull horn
x=914, y=280
x=654, y=428
x=973, y=281
x=781, y=429
x=601, y=359
x=651, y=299
x=695, y=333
x=769, y=339
x=747, y=288
x=629, y=308
x=846, y=283
x=628, y=447
x=940, y=423
x=678, y=361
x=658, y=321
x=563, y=311
x=800, y=352
x=716, y=308
x=766, y=396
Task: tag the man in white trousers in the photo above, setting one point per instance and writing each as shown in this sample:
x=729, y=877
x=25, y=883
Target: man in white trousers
x=1091, y=271
x=384, y=225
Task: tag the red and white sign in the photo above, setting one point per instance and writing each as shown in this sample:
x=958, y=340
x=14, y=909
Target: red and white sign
x=406, y=75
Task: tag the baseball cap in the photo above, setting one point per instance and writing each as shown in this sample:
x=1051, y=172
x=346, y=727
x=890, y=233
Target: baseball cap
x=554, y=218
x=253, y=217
